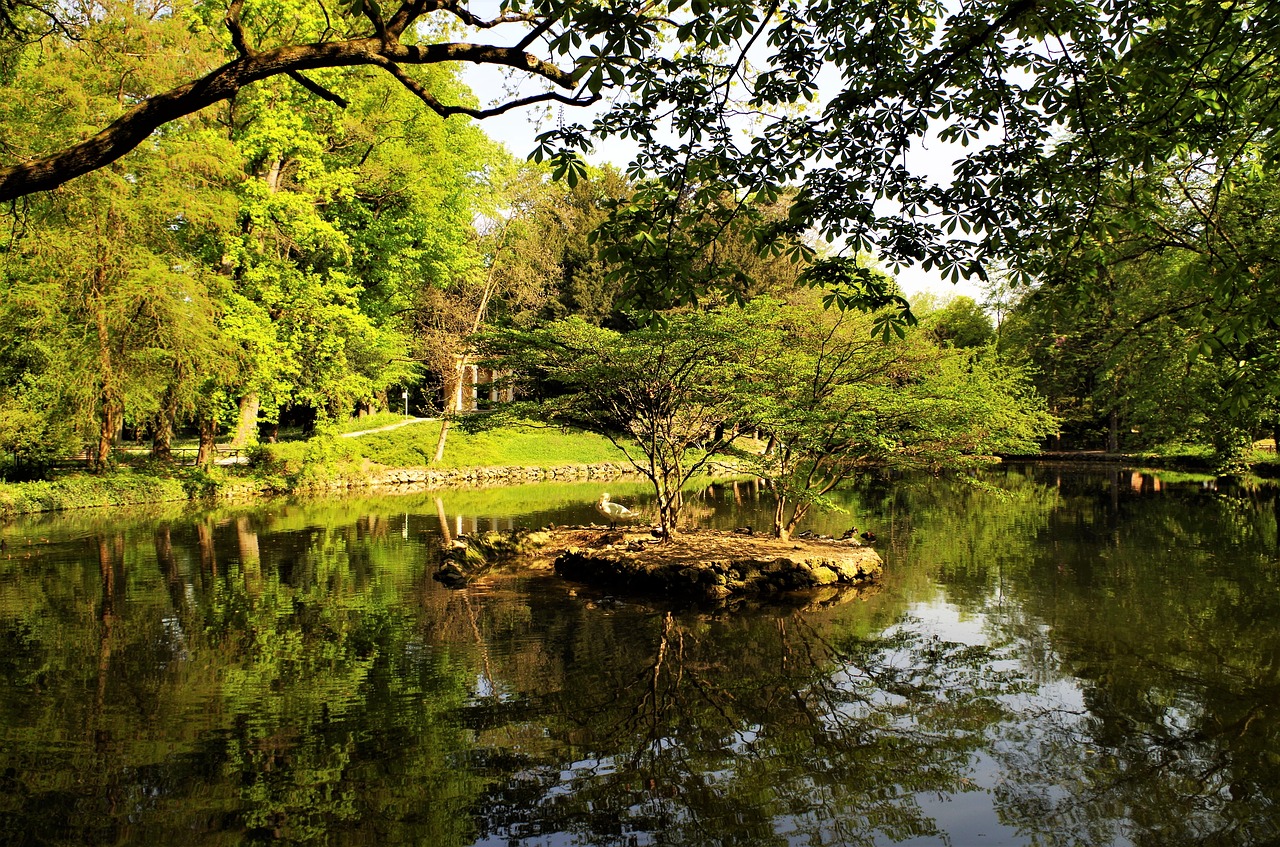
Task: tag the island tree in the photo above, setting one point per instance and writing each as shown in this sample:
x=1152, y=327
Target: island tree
x=661, y=393
x=673, y=396
x=838, y=401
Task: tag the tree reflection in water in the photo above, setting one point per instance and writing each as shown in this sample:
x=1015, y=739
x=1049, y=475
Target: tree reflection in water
x=1163, y=609
x=802, y=736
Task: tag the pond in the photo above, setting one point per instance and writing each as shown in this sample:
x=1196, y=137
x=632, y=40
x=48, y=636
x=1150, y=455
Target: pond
x=1054, y=657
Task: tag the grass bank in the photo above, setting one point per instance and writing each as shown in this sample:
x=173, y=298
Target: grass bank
x=299, y=465
x=1261, y=461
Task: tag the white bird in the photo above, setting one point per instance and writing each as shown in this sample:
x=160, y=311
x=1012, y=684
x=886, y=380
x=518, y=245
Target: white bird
x=614, y=511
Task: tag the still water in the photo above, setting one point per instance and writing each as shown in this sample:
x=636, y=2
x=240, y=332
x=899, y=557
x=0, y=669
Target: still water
x=1053, y=658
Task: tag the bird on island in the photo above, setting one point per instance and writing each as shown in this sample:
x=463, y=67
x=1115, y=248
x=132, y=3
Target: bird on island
x=849, y=533
x=868, y=536
x=614, y=511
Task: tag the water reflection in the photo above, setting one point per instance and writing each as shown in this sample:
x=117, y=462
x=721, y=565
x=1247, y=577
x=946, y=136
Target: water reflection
x=1055, y=658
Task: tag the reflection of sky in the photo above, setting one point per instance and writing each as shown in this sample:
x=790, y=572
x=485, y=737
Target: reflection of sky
x=946, y=621
x=971, y=817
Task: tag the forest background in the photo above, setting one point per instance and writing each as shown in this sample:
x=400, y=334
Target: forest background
x=292, y=255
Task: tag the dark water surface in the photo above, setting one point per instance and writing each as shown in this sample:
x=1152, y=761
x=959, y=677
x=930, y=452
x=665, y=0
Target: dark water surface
x=1062, y=658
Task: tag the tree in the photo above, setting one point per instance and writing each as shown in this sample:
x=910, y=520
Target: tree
x=106, y=286
x=1162, y=320
x=661, y=393
x=839, y=402
x=553, y=269
x=227, y=269
x=959, y=322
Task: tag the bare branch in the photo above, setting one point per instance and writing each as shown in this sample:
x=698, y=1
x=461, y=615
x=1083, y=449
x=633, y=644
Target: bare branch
x=464, y=14
x=445, y=111
x=318, y=90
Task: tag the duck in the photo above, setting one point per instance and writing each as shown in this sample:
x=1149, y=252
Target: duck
x=614, y=511
x=868, y=536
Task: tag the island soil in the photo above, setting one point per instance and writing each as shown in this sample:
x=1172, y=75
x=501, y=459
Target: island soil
x=700, y=565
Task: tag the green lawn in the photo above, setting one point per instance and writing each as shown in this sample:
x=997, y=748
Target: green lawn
x=415, y=444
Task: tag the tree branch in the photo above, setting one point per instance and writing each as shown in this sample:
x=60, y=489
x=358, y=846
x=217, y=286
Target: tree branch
x=232, y=20
x=137, y=123
x=464, y=14
x=444, y=111
x=533, y=34
x=318, y=90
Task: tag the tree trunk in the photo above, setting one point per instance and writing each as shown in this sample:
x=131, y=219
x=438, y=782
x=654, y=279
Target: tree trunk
x=166, y=422
x=1113, y=432
x=162, y=439
x=444, y=434
x=108, y=413
x=797, y=515
x=247, y=427
x=451, y=389
x=107, y=418
x=208, y=444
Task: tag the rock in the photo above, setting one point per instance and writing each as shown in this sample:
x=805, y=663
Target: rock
x=472, y=556
x=714, y=566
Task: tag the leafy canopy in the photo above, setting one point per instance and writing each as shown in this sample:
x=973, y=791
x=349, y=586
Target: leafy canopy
x=731, y=101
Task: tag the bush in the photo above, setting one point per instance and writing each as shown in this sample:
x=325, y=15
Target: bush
x=82, y=490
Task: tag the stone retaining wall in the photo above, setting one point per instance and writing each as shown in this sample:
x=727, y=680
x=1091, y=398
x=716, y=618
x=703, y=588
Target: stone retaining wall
x=446, y=477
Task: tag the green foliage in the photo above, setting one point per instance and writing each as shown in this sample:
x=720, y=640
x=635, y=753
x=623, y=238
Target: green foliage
x=245, y=260
x=1161, y=325
x=837, y=401
x=304, y=463
x=79, y=491
x=658, y=392
x=835, y=398
x=960, y=322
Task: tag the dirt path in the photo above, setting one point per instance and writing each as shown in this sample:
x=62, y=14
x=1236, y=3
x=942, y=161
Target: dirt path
x=387, y=427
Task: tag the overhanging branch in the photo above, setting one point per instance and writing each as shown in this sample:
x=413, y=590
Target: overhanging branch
x=445, y=111
x=137, y=123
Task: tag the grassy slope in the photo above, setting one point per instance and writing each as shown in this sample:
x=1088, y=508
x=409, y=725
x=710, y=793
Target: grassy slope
x=415, y=444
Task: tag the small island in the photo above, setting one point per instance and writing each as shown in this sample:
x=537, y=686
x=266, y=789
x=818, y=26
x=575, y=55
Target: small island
x=698, y=565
